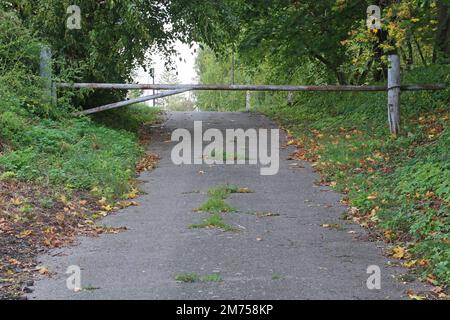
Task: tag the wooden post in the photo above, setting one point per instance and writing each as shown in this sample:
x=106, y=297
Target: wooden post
x=394, y=93
x=45, y=71
x=247, y=101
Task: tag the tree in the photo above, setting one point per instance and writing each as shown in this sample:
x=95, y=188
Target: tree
x=114, y=38
x=179, y=102
x=443, y=31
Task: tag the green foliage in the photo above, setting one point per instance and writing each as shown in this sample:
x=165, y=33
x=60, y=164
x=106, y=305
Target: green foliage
x=213, y=221
x=113, y=41
x=405, y=181
x=77, y=154
x=42, y=144
x=192, y=277
x=130, y=118
x=187, y=277
x=214, y=70
x=216, y=205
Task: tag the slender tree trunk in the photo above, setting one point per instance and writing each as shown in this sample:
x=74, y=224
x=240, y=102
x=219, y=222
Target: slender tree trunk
x=419, y=49
x=410, y=56
x=442, y=47
x=381, y=71
x=341, y=77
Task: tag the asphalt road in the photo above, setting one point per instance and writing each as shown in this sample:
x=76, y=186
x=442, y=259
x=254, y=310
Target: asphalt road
x=289, y=255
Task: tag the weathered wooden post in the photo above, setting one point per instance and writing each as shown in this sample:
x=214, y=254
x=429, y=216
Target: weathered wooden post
x=394, y=93
x=45, y=70
x=248, y=98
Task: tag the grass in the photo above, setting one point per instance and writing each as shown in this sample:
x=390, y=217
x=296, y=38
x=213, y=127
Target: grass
x=76, y=154
x=187, y=277
x=216, y=199
x=192, y=277
x=399, y=185
x=212, y=278
x=217, y=195
x=277, y=276
x=213, y=221
x=130, y=118
x=215, y=205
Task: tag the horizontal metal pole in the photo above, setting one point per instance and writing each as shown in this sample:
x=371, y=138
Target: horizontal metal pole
x=335, y=88
x=130, y=101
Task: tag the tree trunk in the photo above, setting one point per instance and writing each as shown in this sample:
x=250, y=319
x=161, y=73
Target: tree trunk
x=443, y=32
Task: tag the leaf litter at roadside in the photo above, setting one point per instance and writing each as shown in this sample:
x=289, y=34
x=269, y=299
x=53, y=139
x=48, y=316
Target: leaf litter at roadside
x=35, y=219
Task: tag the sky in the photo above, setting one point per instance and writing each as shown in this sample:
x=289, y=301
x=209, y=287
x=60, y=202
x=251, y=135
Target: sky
x=185, y=68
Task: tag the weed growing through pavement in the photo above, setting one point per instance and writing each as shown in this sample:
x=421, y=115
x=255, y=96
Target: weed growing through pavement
x=192, y=277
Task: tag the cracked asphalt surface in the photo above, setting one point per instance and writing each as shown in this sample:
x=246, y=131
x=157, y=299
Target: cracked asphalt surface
x=285, y=256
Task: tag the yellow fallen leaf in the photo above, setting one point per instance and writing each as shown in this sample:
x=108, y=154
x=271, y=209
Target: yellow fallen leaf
x=416, y=297
x=133, y=194
x=102, y=201
x=429, y=194
x=372, y=196
x=60, y=216
x=291, y=142
x=25, y=233
x=16, y=201
x=398, y=252
x=63, y=199
x=107, y=208
x=409, y=264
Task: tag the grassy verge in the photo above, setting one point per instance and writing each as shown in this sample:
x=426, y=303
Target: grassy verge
x=57, y=176
x=129, y=118
x=398, y=187
x=57, y=173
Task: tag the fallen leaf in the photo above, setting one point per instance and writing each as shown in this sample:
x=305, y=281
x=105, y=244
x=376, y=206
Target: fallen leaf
x=60, y=216
x=25, y=233
x=16, y=201
x=14, y=262
x=43, y=270
x=409, y=264
x=372, y=196
x=107, y=208
x=437, y=289
x=398, y=252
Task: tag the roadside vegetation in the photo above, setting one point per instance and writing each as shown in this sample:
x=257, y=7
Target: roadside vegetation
x=398, y=187
x=58, y=174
